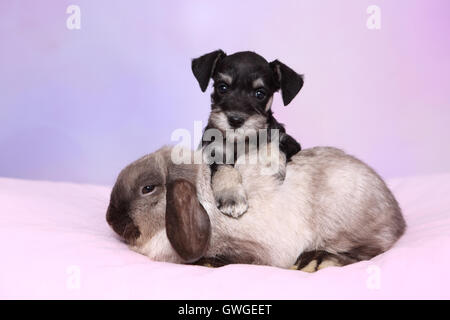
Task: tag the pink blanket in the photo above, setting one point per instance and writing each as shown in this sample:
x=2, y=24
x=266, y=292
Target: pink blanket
x=55, y=243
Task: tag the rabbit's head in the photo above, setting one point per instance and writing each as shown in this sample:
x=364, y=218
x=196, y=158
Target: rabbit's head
x=154, y=208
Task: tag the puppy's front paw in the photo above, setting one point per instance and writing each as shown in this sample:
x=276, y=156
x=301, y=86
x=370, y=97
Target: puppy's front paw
x=232, y=201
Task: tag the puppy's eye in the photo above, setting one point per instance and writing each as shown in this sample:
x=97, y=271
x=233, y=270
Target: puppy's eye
x=222, y=88
x=148, y=189
x=260, y=94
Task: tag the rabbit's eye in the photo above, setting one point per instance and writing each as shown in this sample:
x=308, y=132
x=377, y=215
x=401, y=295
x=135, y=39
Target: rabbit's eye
x=148, y=189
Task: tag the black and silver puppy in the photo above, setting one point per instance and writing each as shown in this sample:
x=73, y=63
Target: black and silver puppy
x=244, y=85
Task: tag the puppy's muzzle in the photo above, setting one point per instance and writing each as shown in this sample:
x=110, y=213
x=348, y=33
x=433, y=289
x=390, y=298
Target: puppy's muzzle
x=235, y=121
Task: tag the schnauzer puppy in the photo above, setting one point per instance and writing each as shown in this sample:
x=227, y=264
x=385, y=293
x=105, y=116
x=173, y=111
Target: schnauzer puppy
x=244, y=84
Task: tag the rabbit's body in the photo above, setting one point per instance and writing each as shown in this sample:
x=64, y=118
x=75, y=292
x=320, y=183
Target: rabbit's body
x=329, y=201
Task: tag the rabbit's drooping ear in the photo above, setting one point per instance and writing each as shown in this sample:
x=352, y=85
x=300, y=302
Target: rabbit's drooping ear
x=289, y=81
x=203, y=67
x=187, y=223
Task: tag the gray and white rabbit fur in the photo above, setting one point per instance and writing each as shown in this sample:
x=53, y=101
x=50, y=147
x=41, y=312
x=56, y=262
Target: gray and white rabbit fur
x=329, y=202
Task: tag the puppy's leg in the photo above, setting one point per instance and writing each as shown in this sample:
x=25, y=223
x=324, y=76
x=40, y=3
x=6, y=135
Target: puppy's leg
x=229, y=193
x=272, y=161
x=307, y=261
x=289, y=146
x=313, y=261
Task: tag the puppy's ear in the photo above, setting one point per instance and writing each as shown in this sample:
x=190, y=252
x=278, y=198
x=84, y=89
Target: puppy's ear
x=187, y=223
x=203, y=67
x=289, y=81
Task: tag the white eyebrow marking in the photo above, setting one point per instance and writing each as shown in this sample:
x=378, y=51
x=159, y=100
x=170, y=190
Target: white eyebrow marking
x=269, y=103
x=226, y=78
x=258, y=83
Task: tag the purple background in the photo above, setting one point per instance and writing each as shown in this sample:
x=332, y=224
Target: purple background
x=78, y=105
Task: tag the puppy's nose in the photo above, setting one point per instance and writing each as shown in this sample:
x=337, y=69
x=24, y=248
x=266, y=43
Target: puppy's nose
x=235, y=121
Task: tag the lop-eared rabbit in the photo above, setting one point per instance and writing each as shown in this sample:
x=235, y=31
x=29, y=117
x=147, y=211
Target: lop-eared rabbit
x=332, y=208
